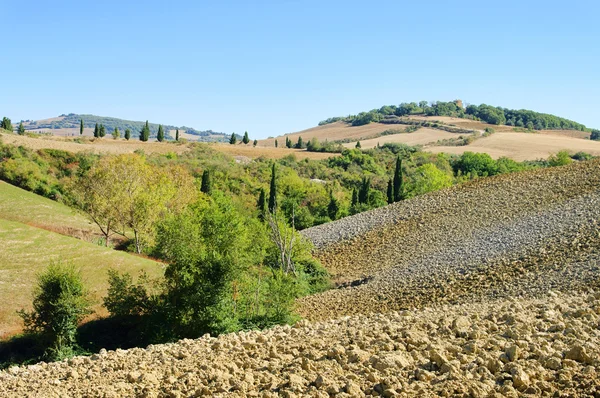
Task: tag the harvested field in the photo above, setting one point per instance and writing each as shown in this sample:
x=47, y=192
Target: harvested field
x=251, y=152
x=423, y=136
x=506, y=348
x=524, y=146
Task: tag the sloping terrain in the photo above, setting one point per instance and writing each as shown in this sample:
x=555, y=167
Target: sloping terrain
x=484, y=289
x=422, y=136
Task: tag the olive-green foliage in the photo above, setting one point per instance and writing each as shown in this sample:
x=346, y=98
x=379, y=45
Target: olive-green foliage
x=562, y=158
x=206, y=185
x=60, y=303
x=145, y=132
x=21, y=129
x=127, y=134
x=246, y=139
x=233, y=139
x=595, y=135
x=6, y=124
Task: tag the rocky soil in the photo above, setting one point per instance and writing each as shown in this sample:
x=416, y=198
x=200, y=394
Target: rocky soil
x=489, y=289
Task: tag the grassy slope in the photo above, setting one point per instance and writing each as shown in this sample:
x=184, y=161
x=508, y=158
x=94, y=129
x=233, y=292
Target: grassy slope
x=28, y=245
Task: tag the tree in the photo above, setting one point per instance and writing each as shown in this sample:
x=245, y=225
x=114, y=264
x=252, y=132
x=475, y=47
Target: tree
x=233, y=139
x=300, y=143
x=21, y=129
x=423, y=105
x=276, y=145
x=127, y=134
x=6, y=124
x=145, y=132
x=357, y=145
x=160, y=136
x=206, y=185
x=398, y=183
x=80, y=126
x=288, y=142
x=333, y=208
x=261, y=204
x=354, y=201
x=429, y=178
x=255, y=143
x=123, y=194
x=101, y=131
x=273, y=191
x=390, y=191
x=116, y=133
x=60, y=302
x=363, y=191
x=246, y=139
x=96, y=131
x=177, y=135
x=595, y=135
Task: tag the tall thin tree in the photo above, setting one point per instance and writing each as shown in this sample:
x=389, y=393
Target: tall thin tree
x=261, y=204
x=273, y=190
x=160, y=136
x=145, y=132
x=206, y=185
x=80, y=126
x=390, y=191
x=233, y=139
x=246, y=139
x=398, y=185
x=177, y=135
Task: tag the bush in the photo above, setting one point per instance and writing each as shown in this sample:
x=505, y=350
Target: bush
x=562, y=158
x=60, y=303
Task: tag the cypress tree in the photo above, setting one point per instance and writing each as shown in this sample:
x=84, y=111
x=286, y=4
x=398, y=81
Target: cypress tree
x=273, y=191
x=300, y=143
x=246, y=139
x=358, y=145
x=116, y=133
x=127, y=134
x=354, y=197
x=81, y=127
x=390, y=191
x=21, y=129
x=145, y=132
x=96, y=131
x=255, y=143
x=288, y=142
x=363, y=192
x=177, y=135
x=333, y=208
x=276, y=144
x=206, y=185
x=398, y=188
x=160, y=136
x=101, y=131
x=233, y=139
x=6, y=124
x=262, y=204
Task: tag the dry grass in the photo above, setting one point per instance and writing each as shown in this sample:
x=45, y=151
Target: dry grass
x=27, y=250
x=423, y=136
x=524, y=146
x=333, y=132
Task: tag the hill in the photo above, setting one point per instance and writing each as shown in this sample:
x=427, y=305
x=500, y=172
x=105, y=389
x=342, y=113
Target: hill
x=483, y=289
x=35, y=231
x=68, y=125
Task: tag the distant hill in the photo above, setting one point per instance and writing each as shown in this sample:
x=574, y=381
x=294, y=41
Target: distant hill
x=69, y=125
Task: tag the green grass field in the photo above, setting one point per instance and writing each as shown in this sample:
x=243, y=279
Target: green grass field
x=16, y=204
x=28, y=244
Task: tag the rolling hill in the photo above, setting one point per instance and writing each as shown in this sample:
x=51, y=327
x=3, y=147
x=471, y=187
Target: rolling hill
x=35, y=231
x=68, y=125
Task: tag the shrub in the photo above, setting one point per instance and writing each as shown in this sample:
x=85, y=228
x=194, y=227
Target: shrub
x=562, y=158
x=60, y=303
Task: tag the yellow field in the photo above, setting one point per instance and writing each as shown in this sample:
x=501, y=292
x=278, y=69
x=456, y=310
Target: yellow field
x=270, y=153
x=523, y=146
x=422, y=136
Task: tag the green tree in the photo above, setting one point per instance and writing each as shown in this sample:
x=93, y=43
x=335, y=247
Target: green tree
x=160, y=136
x=300, y=143
x=273, y=190
x=116, y=133
x=562, y=158
x=177, y=135
x=96, y=131
x=127, y=134
x=80, y=126
x=233, y=139
x=21, y=129
x=390, y=191
x=363, y=191
x=276, y=144
x=288, y=142
x=246, y=139
x=333, y=208
x=6, y=124
x=206, y=185
x=357, y=145
x=59, y=304
x=354, y=200
x=429, y=178
x=398, y=181
x=255, y=143
x=101, y=131
x=145, y=132
x=261, y=204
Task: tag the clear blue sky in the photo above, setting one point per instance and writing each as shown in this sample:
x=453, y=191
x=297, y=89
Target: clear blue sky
x=281, y=66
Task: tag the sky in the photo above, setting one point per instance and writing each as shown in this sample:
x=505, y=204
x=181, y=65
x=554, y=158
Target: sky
x=274, y=67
